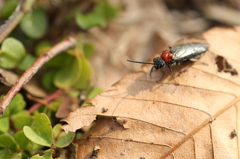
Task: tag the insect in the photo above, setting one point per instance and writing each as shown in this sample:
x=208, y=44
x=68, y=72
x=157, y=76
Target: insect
x=177, y=54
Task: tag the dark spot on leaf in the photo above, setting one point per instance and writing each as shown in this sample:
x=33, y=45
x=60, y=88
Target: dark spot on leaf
x=233, y=134
x=224, y=66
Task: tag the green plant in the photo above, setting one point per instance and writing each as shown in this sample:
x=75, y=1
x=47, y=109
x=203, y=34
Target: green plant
x=26, y=129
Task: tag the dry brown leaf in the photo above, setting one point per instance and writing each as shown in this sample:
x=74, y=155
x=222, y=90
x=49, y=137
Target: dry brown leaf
x=80, y=118
x=196, y=118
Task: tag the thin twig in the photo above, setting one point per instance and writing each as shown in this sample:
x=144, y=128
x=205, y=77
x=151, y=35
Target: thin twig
x=27, y=75
x=23, y=8
x=48, y=99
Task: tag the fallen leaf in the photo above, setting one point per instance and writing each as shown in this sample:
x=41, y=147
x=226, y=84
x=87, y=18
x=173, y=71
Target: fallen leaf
x=193, y=118
x=80, y=118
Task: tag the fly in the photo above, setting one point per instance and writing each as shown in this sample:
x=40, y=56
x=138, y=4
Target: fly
x=177, y=54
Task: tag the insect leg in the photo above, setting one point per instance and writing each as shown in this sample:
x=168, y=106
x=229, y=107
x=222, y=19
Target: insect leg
x=163, y=74
x=151, y=72
x=170, y=69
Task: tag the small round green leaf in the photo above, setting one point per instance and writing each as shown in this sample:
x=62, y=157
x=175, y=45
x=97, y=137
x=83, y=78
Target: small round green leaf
x=47, y=80
x=89, y=50
x=47, y=155
x=90, y=20
x=43, y=126
x=98, y=16
x=27, y=61
x=60, y=61
x=42, y=47
x=35, y=137
x=8, y=8
x=67, y=76
x=94, y=92
x=42, y=134
x=26, y=144
x=21, y=139
x=5, y=152
x=14, y=156
x=22, y=119
x=85, y=73
x=35, y=24
x=63, y=139
x=12, y=52
x=4, y=124
x=7, y=141
x=16, y=105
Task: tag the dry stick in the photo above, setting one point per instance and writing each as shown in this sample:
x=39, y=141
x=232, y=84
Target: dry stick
x=23, y=8
x=27, y=75
x=206, y=122
x=48, y=99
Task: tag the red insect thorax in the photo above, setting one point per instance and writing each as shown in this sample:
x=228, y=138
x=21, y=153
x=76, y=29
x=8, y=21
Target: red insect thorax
x=167, y=56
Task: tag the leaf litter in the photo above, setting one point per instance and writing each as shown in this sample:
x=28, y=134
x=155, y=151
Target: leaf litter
x=193, y=118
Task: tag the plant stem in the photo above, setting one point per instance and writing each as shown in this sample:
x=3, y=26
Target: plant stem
x=48, y=99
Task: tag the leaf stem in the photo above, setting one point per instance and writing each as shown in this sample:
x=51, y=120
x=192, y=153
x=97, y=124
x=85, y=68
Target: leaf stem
x=48, y=99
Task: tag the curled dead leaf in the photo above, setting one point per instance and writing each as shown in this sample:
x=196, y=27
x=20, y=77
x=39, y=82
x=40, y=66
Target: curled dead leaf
x=80, y=118
x=195, y=118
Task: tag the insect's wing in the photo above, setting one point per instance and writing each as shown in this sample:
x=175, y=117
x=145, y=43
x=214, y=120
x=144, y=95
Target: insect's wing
x=188, y=51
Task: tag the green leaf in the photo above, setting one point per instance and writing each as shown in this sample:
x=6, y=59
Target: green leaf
x=48, y=80
x=12, y=52
x=99, y=16
x=4, y=124
x=16, y=156
x=75, y=74
x=11, y=155
x=27, y=61
x=42, y=47
x=22, y=140
x=90, y=20
x=22, y=119
x=60, y=61
x=42, y=134
x=67, y=76
x=26, y=144
x=61, y=139
x=5, y=152
x=16, y=105
x=8, y=8
x=35, y=24
x=47, y=155
x=89, y=50
x=94, y=92
x=7, y=141
x=85, y=74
